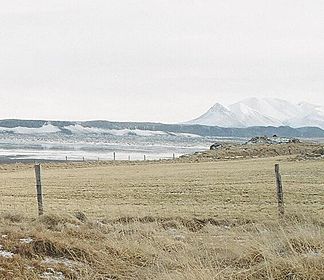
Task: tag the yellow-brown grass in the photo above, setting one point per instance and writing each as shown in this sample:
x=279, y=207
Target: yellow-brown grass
x=208, y=220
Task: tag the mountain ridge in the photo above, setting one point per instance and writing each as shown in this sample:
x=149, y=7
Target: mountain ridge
x=263, y=112
x=15, y=126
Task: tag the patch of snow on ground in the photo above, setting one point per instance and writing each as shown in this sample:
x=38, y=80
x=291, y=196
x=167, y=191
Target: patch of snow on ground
x=51, y=274
x=27, y=240
x=140, y=132
x=64, y=261
x=175, y=234
x=5, y=254
x=186, y=135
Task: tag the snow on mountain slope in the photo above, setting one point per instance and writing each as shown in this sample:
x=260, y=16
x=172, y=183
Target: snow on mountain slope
x=218, y=115
x=47, y=128
x=315, y=120
x=273, y=108
x=312, y=115
x=79, y=129
x=310, y=109
x=251, y=117
x=263, y=112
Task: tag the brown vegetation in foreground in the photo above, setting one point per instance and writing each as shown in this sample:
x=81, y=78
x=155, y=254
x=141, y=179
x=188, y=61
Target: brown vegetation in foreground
x=206, y=220
x=64, y=247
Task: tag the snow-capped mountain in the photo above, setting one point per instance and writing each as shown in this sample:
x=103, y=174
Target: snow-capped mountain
x=263, y=112
x=249, y=116
x=218, y=114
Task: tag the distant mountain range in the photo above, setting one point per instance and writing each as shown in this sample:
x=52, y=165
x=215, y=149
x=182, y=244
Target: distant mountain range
x=145, y=129
x=263, y=112
x=247, y=118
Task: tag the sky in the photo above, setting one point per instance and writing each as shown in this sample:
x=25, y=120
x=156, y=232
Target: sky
x=155, y=60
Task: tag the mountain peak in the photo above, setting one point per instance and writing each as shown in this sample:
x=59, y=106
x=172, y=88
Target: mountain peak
x=218, y=107
x=218, y=115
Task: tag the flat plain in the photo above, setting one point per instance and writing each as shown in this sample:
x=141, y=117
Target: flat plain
x=164, y=220
x=227, y=189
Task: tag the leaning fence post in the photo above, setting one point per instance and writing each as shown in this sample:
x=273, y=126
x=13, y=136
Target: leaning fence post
x=280, y=198
x=39, y=189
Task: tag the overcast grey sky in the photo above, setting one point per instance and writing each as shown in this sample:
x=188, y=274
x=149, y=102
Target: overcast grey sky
x=155, y=60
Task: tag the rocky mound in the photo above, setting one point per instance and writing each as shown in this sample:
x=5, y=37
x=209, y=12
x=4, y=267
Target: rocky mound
x=272, y=140
x=260, y=150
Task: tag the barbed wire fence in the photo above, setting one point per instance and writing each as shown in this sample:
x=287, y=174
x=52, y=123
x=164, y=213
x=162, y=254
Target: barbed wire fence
x=56, y=196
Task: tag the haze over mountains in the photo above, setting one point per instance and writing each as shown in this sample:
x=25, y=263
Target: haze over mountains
x=247, y=118
x=263, y=112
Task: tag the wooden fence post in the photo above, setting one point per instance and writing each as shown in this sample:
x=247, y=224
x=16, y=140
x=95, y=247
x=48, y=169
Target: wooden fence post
x=280, y=198
x=114, y=156
x=39, y=189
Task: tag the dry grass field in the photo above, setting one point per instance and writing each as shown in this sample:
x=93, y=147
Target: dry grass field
x=169, y=220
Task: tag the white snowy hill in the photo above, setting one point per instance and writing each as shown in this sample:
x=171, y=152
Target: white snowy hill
x=263, y=112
